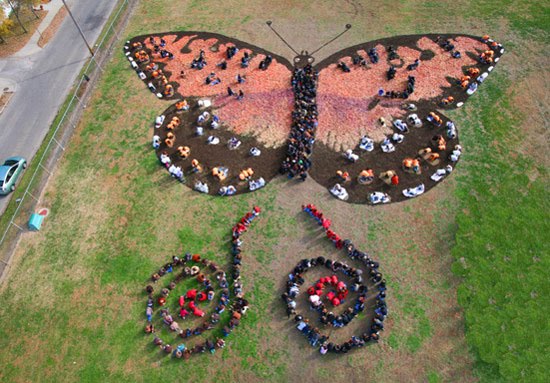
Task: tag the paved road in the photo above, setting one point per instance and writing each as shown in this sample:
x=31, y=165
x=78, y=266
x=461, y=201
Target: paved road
x=43, y=80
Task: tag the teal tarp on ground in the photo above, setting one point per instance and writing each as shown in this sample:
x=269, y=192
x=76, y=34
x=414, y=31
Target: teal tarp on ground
x=35, y=222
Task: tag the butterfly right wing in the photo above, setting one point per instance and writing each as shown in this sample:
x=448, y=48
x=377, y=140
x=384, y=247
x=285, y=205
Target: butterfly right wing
x=353, y=103
x=260, y=119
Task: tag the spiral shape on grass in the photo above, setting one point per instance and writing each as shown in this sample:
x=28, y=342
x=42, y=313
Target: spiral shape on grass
x=338, y=294
x=196, y=287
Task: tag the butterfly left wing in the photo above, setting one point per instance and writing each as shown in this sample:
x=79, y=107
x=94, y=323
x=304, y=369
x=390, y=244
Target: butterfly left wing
x=196, y=70
x=361, y=96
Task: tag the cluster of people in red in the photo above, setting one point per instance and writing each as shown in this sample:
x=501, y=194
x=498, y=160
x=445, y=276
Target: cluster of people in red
x=334, y=297
x=189, y=302
x=325, y=223
x=192, y=296
x=245, y=221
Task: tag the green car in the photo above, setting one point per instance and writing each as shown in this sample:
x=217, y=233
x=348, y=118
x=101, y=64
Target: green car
x=10, y=172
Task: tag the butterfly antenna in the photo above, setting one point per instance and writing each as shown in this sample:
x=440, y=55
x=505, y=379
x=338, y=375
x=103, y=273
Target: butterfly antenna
x=348, y=27
x=269, y=22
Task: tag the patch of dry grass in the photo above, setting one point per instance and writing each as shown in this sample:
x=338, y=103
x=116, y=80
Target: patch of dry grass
x=50, y=31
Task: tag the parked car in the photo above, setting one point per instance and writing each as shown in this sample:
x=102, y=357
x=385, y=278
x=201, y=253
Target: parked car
x=10, y=172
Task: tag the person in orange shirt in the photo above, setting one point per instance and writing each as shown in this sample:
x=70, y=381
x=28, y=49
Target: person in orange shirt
x=173, y=124
x=182, y=106
x=184, y=151
x=411, y=165
x=196, y=166
x=366, y=176
x=474, y=72
x=439, y=142
x=169, y=90
x=433, y=159
x=170, y=139
x=344, y=176
x=447, y=100
x=245, y=174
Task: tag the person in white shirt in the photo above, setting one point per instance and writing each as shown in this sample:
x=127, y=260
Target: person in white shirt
x=165, y=159
x=156, y=141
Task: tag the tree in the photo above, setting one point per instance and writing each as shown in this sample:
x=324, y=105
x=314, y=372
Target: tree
x=5, y=28
x=26, y=3
x=16, y=13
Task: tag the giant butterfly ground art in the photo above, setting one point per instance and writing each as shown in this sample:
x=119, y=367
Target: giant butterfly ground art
x=364, y=122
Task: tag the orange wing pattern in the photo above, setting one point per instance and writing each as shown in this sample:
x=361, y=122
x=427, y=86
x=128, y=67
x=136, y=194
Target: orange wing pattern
x=358, y=100
x=195, y=70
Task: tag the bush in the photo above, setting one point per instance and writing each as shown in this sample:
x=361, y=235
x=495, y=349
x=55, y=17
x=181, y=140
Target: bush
x=6, y=27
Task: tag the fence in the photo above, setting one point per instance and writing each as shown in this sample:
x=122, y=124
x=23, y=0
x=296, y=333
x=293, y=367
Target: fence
x=24, y=203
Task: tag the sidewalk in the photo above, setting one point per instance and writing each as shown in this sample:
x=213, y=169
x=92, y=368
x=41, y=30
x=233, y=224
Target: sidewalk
x=32, y=45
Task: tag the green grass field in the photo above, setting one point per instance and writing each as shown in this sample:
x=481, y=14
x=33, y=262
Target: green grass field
x=466, y=263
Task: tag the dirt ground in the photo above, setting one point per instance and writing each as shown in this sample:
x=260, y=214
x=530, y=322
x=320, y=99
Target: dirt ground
x=50, y=31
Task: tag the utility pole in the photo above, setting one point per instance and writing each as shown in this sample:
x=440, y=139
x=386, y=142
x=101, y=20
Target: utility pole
x=78, y=27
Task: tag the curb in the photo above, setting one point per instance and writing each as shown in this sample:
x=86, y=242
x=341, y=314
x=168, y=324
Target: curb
x=7, y=87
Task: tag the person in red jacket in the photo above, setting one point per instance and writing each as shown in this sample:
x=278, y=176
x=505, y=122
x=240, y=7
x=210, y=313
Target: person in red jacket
x=191, y=294
x=395, y=180
x=201, y=296
x=183, y=313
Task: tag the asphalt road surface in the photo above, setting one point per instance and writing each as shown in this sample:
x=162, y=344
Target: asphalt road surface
x=43, y=80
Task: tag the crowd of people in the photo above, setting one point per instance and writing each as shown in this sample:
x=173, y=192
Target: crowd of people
x=150, y=70
x=143, y=53
x=188, y=302
x=296, y=280
x=304, y=123
x=434, y=153
x=337, y=295
x=357, y=59
x=411, y=81
x=221, y=173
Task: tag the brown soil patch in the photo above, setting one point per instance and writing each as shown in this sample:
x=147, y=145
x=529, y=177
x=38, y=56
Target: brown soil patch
x=4, y=99
x=210, y=156
x=51, y=30
x=14, y=43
